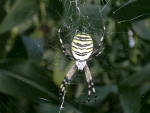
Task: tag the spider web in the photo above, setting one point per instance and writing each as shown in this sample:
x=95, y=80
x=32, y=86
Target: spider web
x=107, y=70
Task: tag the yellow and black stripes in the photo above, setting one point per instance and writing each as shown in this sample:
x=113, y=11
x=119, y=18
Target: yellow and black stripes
x=82, y=46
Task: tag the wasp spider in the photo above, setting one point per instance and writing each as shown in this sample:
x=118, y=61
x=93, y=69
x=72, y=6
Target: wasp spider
x=82, y=51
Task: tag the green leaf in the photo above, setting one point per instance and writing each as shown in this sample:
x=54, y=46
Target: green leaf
x=131, y=10
x=47, y=108
x=2, y=11
x=53, y=9
x=21, y=78
x=34, y=46
x=130, y=90
x=130, y=99
x=61, y=67
x=145, y=88
x=141, y=28
x=22, y=11
x=138, y=78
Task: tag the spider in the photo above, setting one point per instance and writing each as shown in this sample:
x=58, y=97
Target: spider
x=82, y=51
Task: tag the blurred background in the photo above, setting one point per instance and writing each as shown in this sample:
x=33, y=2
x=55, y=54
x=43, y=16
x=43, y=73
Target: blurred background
x=32, y=64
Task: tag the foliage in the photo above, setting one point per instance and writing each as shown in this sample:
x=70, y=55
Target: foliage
x=31, y=68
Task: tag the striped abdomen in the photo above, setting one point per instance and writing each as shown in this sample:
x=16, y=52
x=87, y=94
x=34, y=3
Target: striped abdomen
x=82, y=46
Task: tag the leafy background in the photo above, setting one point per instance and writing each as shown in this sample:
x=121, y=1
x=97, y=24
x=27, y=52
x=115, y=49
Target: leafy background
x=28, y=55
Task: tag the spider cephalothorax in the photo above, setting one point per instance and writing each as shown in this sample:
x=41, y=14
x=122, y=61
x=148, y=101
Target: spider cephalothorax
x=82, y=51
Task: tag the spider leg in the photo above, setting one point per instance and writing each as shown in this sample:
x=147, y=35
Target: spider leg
x=99, y=45
x=93, y=89
x=99, y=52
x=66, y=80
x=96, y=55
x=90, y=84
x=67, y=52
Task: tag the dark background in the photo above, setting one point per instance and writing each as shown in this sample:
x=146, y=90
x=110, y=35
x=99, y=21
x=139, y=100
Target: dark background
x=32, y=65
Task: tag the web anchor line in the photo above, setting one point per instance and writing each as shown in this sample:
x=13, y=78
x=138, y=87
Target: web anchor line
x=63, y=98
